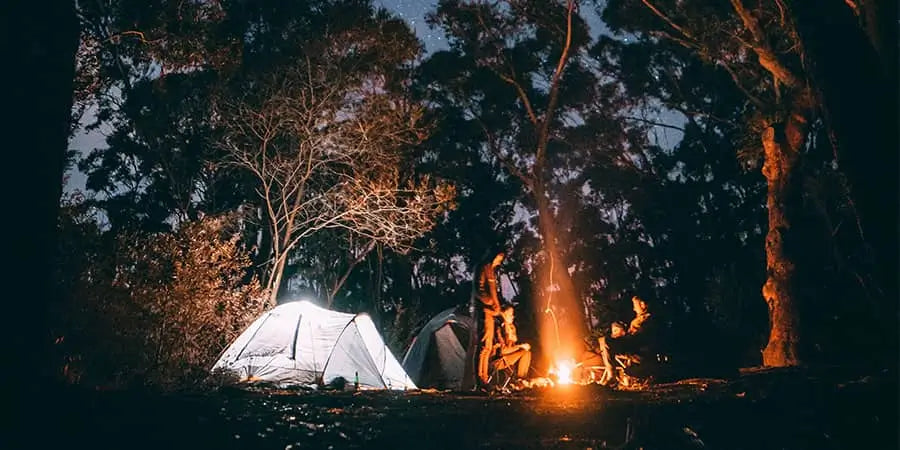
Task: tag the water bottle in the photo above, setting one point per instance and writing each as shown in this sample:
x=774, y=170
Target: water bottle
x=356, y=381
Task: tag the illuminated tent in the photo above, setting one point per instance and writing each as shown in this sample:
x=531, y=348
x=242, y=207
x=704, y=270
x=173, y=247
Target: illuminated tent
x=437, y=356
x=299, y=343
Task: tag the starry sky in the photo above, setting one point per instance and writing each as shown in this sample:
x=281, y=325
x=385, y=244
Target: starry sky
x=414, y=11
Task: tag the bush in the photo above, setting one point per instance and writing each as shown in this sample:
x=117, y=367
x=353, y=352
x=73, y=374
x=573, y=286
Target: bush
x=153, y=309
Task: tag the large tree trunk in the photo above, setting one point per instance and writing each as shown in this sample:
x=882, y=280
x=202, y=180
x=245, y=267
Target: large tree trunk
x=855, y=72
x=40, y=42
x=564, y=327
x=782, y=144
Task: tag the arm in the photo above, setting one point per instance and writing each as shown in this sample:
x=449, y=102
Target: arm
x=492, y=288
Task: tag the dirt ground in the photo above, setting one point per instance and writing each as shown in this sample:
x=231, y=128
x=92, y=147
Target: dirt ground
x=787, y=409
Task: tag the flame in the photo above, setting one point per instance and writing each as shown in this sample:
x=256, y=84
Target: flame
x=563, y=371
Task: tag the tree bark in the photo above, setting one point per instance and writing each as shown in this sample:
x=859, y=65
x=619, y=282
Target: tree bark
x=568, y=327
x=40, y=42
x=852, y=61
x=275, y=283
x=782, y=144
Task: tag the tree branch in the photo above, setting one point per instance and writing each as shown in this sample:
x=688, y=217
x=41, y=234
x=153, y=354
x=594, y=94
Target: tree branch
x=340, y=281
x=737, y=82
x=544, y=136
x=495, y=150
x=522, y=96
x=656, y=124
x=767, y=58
x=666, y=19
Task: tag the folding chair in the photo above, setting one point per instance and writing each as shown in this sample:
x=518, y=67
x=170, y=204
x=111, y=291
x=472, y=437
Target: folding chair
x=500, y=371
x=623, y=362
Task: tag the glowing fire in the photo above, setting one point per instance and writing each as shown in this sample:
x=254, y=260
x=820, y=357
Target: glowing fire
x=563, y=371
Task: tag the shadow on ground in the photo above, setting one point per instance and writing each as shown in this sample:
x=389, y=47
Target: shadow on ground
x=785, y=409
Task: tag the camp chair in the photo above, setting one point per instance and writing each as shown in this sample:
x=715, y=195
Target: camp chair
x=623, y=362
x=501, y=373
x=589, y=373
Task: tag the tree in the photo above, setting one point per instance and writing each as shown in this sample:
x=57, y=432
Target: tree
x=851, y=44
x=325, y=139
x=150, y=308
x=525, y=54
x=760, y=49
x=41, y=41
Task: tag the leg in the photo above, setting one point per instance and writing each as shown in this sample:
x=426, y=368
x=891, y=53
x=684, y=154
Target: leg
x=520, y=359
x=587, y=365
x=487, y=346
x=608, y=365
x=524, y=364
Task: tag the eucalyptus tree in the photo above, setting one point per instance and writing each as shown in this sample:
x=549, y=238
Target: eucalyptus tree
x=326, y=139
x=515, y=69
x=164, y=78
x=758, y=47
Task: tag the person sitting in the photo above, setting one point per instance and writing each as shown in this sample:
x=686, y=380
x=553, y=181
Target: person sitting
x=510, y=352
x=635, y=340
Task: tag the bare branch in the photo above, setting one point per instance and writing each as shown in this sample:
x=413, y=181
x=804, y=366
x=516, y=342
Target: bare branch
x=666, y=19
x=326, y=150
x=654, y=123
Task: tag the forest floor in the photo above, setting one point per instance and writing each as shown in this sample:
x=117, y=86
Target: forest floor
x=760, y=409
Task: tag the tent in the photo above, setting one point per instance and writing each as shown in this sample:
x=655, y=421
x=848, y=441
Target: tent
x=438, y=354
x=299, y=343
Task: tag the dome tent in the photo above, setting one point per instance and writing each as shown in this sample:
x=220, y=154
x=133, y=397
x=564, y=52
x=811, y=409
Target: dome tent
x=439, y=354
x=299, y=343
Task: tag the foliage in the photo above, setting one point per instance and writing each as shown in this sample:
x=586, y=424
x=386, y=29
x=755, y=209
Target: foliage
x=151, y=309
x=326, y=140
x=375, y=177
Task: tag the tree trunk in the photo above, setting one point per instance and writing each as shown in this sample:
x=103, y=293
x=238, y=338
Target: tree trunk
x=563, y=329
x=40, y=42
x=275, y=283
x=264, y=248
x=855, y=73
x=782, y=144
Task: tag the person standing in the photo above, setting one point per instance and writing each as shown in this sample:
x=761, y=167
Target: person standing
x=488, y=300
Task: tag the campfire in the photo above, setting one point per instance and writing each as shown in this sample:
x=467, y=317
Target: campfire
x=562, y=370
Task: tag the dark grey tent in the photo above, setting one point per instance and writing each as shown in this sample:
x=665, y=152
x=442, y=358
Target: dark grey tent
x=438, y=356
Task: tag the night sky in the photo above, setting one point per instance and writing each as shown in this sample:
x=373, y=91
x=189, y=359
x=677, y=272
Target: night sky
x=413, y=11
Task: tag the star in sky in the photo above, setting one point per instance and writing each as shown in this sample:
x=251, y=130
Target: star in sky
x=414, y=11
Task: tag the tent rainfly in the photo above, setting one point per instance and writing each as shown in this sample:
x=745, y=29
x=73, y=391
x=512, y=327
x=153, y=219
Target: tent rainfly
x=299, y=343
x=437, y=356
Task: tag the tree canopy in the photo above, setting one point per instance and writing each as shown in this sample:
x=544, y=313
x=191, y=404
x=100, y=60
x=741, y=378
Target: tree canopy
x=690, y=152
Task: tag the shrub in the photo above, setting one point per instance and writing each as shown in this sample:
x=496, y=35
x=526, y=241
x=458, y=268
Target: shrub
x=153, y=309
